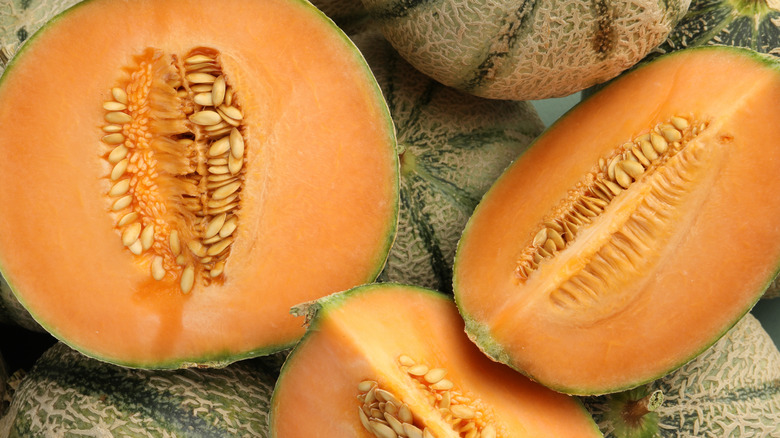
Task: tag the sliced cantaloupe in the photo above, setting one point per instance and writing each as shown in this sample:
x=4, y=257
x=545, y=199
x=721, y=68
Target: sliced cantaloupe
x=635, y=231
x=177, y=174
x=391, y=360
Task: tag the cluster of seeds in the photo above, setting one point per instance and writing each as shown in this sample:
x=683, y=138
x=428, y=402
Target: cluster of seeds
x=177, y=165
x=614, y=174
x=385, y=416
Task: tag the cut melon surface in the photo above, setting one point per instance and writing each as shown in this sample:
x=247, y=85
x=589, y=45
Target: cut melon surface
x=391, y=350
x=635, y=231
x=190, y=253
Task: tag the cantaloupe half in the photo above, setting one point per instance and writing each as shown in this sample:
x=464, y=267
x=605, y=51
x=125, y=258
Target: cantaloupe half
x=390, y=360
x=175, y=175
x=635, y=231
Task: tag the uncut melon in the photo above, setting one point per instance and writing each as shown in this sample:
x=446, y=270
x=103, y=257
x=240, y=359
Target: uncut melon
x=524, y=50
x=387, y=360
x=730, y=390
x=4, y=391
x=634, y=232
x=220, y=164
x=452, y=146
x=69, y=394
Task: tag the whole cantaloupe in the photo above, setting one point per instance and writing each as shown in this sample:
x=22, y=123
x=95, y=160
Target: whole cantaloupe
x=525, y=49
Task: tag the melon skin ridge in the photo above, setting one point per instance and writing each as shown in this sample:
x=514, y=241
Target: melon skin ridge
x=479, y=333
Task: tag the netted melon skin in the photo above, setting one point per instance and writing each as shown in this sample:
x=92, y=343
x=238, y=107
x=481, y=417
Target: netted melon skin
x=452, y=147
x=525, y=50
x=730, y=390
x=68, y=394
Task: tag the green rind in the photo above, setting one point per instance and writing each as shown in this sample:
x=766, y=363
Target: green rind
x=68, y=394
x=452, y=146
x=479, y=332
x=731, y=390
x=223, y=358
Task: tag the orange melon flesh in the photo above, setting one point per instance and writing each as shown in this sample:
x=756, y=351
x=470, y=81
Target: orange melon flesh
x=318, y=207
x=360, y=335
x=707, y=264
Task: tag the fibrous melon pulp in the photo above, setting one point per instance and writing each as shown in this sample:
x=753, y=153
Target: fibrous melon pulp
x=170, y=192
x=635, y=231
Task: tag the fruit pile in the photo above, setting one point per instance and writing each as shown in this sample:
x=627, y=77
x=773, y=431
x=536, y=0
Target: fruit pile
x=347, y=219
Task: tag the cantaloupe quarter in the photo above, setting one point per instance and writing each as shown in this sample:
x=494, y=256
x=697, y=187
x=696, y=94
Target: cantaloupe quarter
x=391, y=360
x=199, y=168
x=635, y=231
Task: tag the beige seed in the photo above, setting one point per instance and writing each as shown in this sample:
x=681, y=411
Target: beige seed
x=434, y=375
x=614, y=188
x=197, y=59
x=209, y=241
x=540, y=237
x=218, y=170
x=366, y=385
x=225, y=191
x=147, y=237
x=122, y=203
x=219, y=267
x=115, y=138
x=235, y=164
x=200, y=78
x=554, y=225
x=583, y=210
x=120, y=188
x=174, y=242
x=118, y=154
x=223, y=209
x=136, y=247
x=376, y=413
x=597, y=202
x=114, y=106
x=196, y=248
x=216, y=203
x=406, y=360
x=632, y=168
x=232, y=112
x=445, y=400
x=112, y=128
x=203, y=99
x=181, y=260
x=204, y=67
x=119, y=169
x=405, y=414
x=236, y=143
x=370, y=396
x=463, y=412
x=119, y=94
x=221, y=177
x=394, y=424
x=611, y=167
x=640, y=156
x=679, y=122
x=550, y=246
x=417, y=370
x=229, y=227
x=218, y=91
x=472, y=433
x=364, y=419
x=215, y=225
x=412, y=431
x=382, y=430
x=222, y=130
x=118, y=117
x=187, y=279
x=229, y=95
x=227, y=119
x=218, y=162
x=219, y=147
x=670, y=133
x=488, y=432
x=648, y=150
x=427, y=433
x=659, y=143
x=126, y=219
x=201, y=88
x=622, y=178
x=131, y=233
x=386, y=396
x=443, y=385
x=157, y=269
x=205, y=118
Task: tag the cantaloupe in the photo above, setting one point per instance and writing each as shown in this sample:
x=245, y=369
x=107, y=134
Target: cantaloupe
x=635, y=231
x=389, y=360
x=68, y=394
x=452, y=146
x=730, y=390
x=525, y=49
x=203, y=167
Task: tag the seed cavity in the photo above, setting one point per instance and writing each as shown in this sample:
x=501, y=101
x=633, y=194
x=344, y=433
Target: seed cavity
x=173, y=140
x=384, y=414
x=644, y=155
